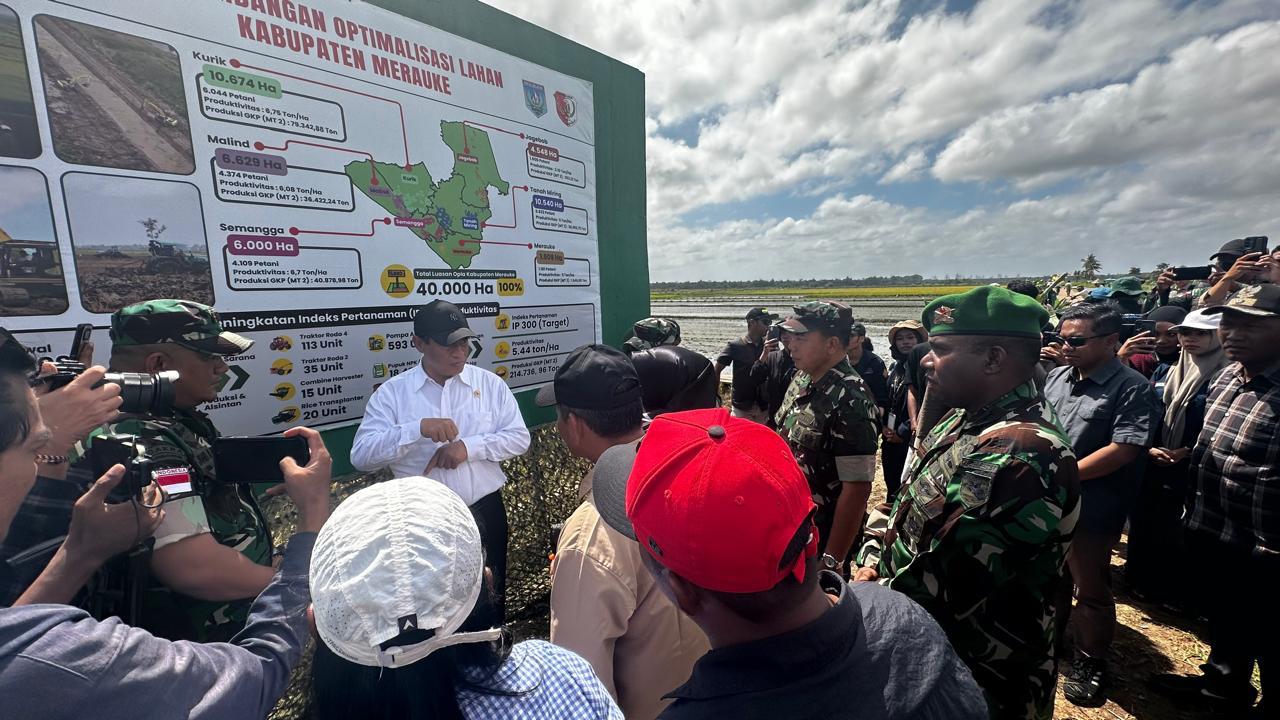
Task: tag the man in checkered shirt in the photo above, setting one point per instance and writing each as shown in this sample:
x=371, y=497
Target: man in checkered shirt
x=1233, y=522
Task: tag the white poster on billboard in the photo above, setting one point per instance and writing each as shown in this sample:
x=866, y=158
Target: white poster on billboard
x=314, y=171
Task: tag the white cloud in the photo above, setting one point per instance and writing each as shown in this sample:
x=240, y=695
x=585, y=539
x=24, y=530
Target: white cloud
x=1145, y=110
x=1207, y=92
x=908, y=169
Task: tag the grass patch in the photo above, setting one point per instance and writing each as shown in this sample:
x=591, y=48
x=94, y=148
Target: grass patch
x=905, y=291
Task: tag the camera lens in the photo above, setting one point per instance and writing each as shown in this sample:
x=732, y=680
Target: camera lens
x=144, y=393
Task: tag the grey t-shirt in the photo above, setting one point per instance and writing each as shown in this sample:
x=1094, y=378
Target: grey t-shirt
x=1114, y=404
x=57, y=662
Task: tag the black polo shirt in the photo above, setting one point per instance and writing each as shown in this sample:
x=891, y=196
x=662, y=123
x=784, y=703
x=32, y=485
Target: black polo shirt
x=874, y=655
x=742, y=355
x=1114, y=404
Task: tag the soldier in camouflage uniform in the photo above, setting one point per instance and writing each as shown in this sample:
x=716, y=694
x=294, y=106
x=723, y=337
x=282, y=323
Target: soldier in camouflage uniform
x=980, y=531
x=650, y=333
x=215, y=545
x=831, y=423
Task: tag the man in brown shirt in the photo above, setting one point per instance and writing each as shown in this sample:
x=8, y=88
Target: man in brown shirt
x=605, y=605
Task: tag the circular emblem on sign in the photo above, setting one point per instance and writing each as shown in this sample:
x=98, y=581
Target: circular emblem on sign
x=283, y=392
x=395, y=281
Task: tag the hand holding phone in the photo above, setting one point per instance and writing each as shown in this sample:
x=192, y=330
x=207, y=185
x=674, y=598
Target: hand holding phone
x=1201, y=272
x=256, y=459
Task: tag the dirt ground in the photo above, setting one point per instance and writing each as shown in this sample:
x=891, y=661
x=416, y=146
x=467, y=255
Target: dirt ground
x=108, y=284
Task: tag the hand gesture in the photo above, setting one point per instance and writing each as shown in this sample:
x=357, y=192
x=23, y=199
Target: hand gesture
x=100, y=531
x=769, y=346
x=441, y=430
x=308, y=486
x=866, y=574
x=74, y=410
x=1143, y=342
x=1246, y=268
x=447, y=457
x=1053, y=353
x=1167, y=456
x=1165, y=280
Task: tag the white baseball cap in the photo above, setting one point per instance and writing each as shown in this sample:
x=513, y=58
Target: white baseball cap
x=1198, y=320
x=400, y=555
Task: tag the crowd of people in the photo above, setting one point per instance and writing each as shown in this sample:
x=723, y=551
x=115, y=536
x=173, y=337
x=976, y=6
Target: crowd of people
x=720, y=562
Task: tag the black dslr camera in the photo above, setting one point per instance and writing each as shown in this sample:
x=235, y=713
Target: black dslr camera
x=140, y=469
x=143, y=393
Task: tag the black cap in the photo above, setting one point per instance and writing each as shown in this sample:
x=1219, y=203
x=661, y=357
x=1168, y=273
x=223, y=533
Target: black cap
x=1256, y=300
x=593, y=377
x=858, y=329
x=1233, y=248
x=441, y=322
x=609, y=485
x=761, y=314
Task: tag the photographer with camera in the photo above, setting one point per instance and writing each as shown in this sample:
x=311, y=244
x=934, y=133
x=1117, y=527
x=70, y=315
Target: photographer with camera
x=55, y=658
x=55, y=506
x=213, y=551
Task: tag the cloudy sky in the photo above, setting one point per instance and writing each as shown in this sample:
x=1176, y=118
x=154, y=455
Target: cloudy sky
x=944, y=137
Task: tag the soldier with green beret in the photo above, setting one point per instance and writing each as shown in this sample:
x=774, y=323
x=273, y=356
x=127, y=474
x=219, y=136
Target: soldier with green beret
x=212, y=553
x=831, y=422
x=650, y=333
x=980, y=530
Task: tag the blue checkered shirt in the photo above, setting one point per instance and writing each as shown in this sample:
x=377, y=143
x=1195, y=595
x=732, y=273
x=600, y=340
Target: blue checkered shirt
x=552, y=683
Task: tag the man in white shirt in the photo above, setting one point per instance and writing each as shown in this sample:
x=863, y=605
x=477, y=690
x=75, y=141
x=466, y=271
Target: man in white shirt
x=450, y=421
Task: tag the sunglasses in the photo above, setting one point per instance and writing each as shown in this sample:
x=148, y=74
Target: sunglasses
x=1078, y=341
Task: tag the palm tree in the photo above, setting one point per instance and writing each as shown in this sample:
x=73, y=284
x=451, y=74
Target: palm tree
x=1090, y=266
x=1134, y=270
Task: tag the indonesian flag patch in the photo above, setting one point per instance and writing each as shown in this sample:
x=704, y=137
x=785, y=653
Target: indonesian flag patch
x=174, y=481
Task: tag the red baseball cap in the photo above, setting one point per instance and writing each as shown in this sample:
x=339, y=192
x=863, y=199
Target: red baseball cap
x=718, y=499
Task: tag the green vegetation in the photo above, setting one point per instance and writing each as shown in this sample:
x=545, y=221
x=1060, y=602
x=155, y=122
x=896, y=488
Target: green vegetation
x=455, y=210
x=905, y=291
x=14, y=86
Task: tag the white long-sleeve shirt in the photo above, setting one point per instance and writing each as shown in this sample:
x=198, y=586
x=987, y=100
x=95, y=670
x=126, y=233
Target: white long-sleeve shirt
x=479, y=403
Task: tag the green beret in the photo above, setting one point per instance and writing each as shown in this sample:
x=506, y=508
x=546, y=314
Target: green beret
x=986, y=310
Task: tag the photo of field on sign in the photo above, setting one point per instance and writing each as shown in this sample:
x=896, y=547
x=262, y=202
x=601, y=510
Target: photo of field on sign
x=31, y=273
x=136, y=239
x=18, y=134
x=115, y=100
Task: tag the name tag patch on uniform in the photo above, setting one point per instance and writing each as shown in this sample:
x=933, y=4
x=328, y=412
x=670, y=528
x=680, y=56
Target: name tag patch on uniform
x=174, y=481
x=975, y=478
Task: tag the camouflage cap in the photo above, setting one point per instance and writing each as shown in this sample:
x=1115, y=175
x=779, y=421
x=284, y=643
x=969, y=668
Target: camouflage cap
x=986, y=310
x=181, y=322
x=1127, y=285
x=830, y=317
x=653, y=332
x=1257, y=300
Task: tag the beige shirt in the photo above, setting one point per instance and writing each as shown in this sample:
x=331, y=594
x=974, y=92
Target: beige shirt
x=606, y=607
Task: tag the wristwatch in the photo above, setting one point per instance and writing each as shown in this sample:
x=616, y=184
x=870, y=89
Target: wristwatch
x=829, y=562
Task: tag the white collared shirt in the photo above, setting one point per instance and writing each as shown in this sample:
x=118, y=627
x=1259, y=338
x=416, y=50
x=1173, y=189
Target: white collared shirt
x=478, y=402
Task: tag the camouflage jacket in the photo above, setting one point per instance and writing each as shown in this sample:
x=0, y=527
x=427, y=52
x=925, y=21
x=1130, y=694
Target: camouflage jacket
x=978, y=537
x=228, y=512
x=833, y=416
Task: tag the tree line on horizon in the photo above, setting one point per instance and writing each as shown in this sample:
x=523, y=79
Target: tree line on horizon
x=1090, y=269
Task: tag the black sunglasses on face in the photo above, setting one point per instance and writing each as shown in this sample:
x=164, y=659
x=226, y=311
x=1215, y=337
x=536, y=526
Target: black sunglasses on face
x=1080, y=340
